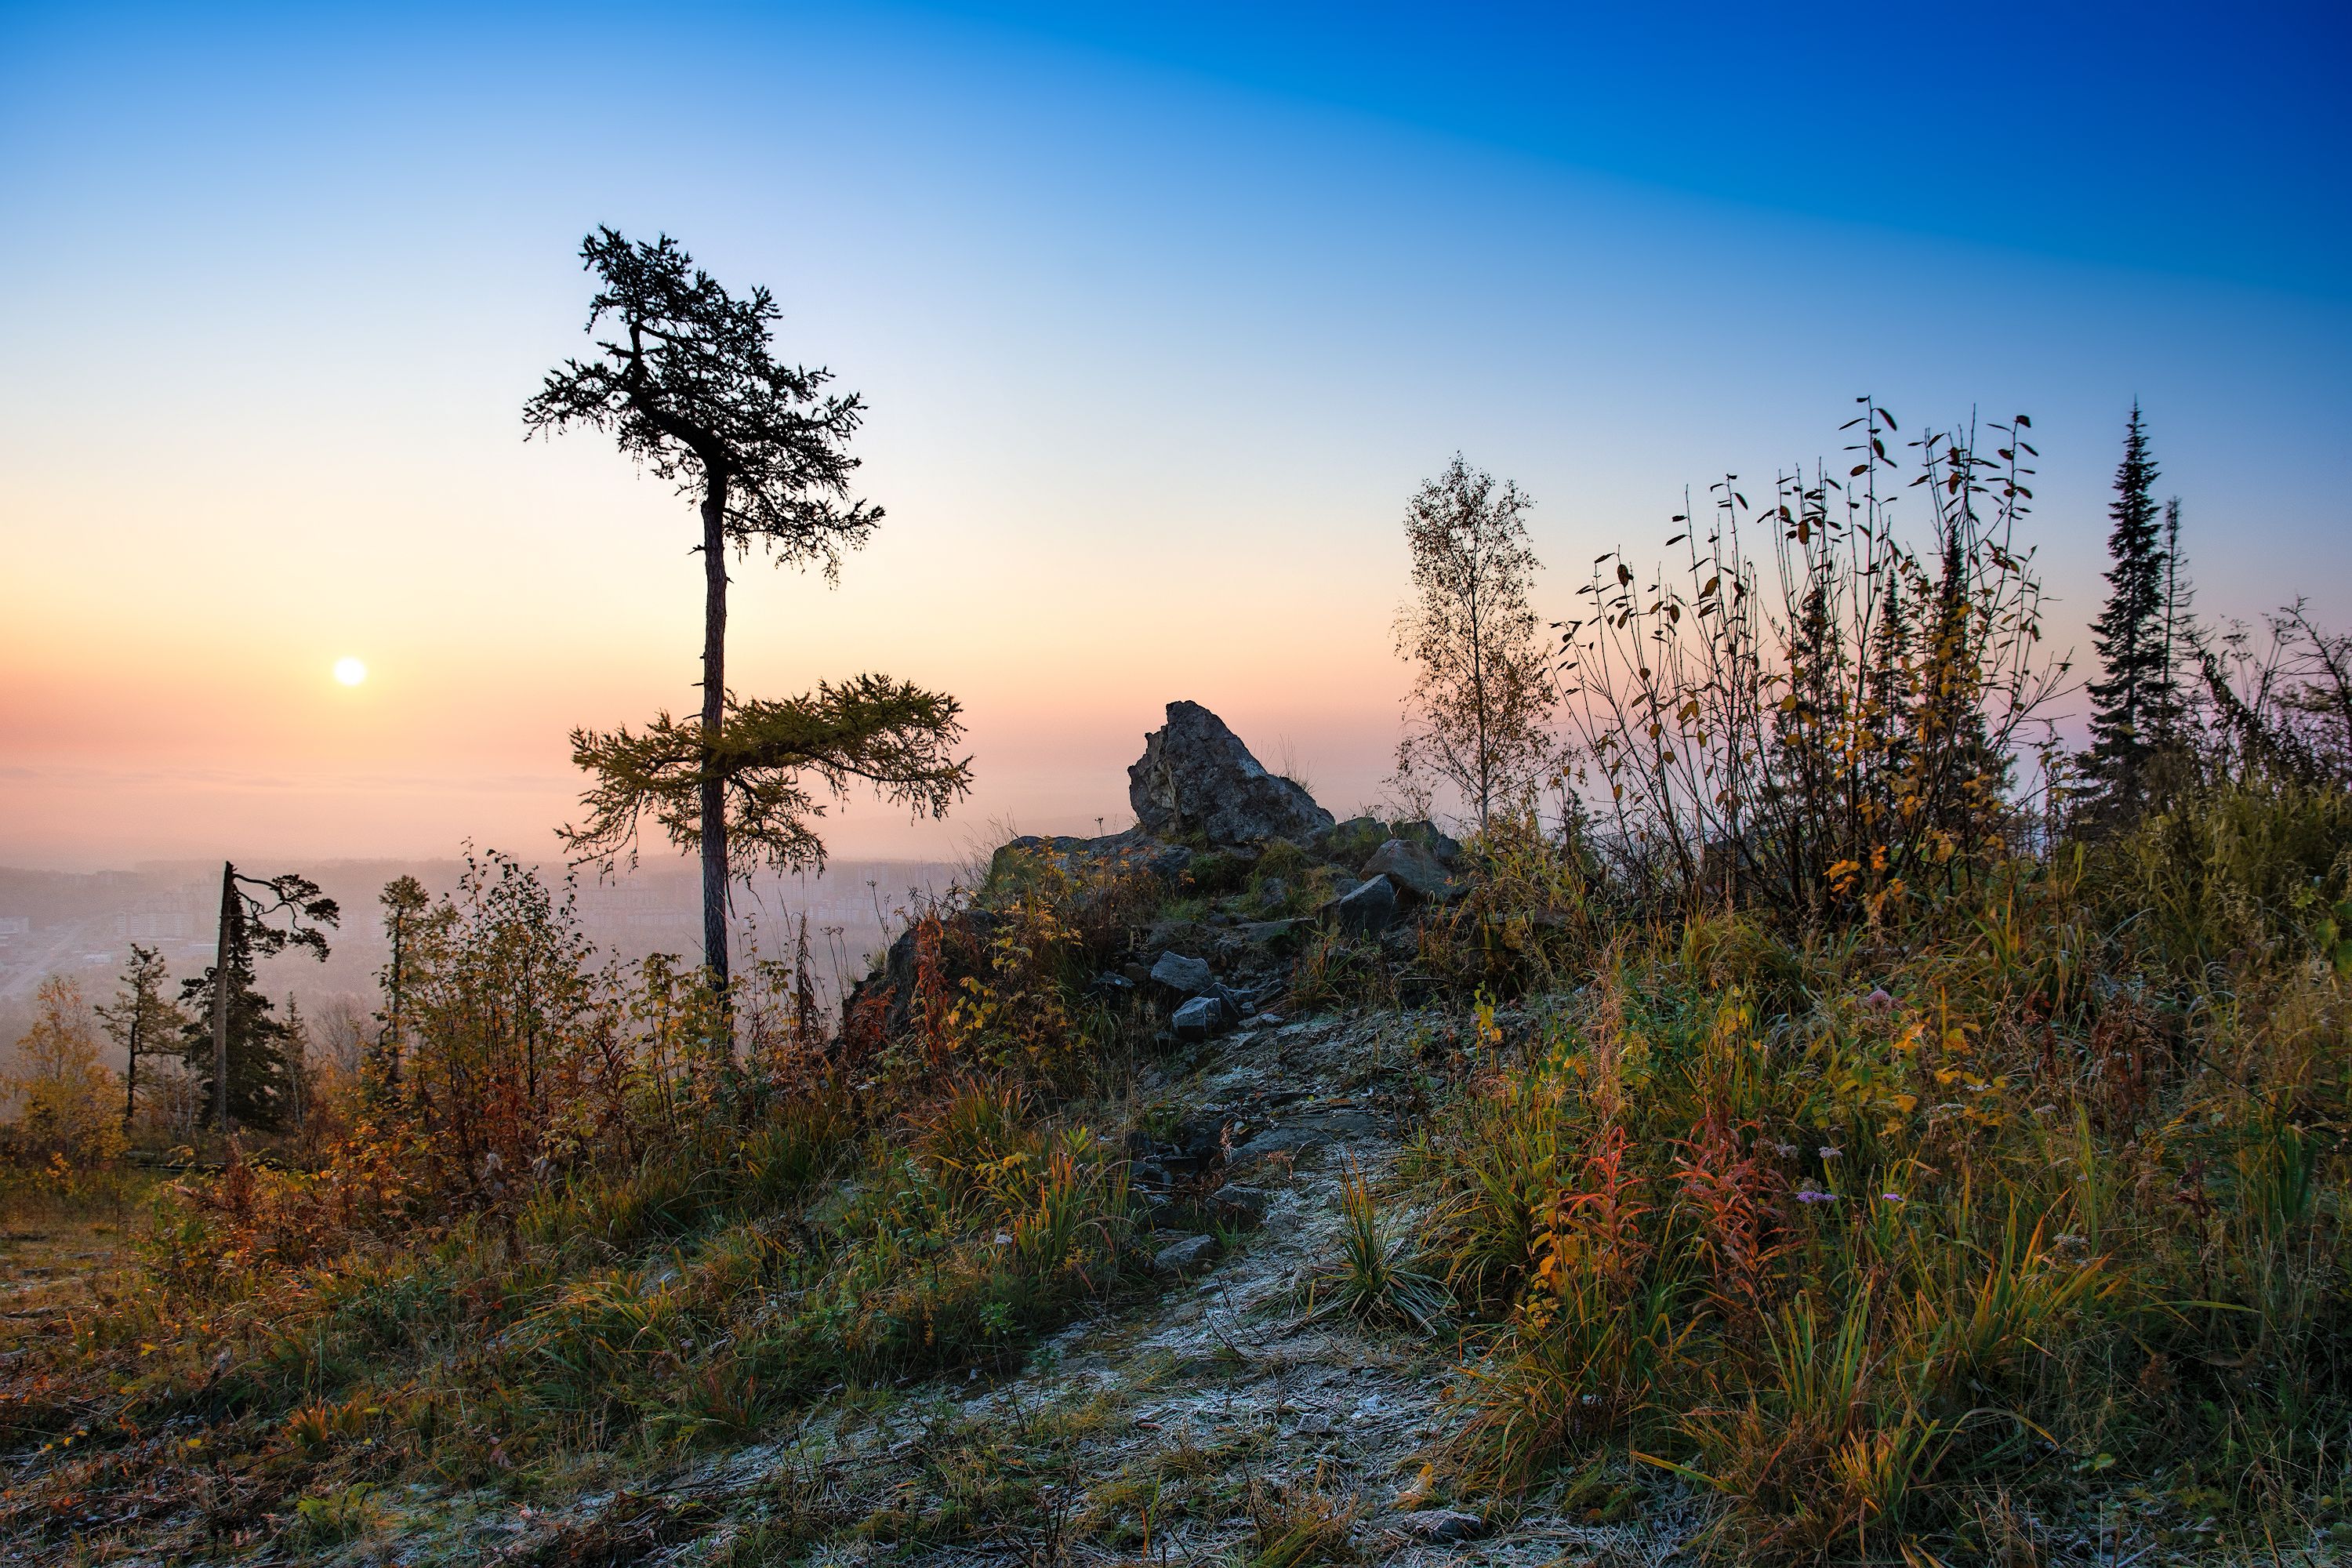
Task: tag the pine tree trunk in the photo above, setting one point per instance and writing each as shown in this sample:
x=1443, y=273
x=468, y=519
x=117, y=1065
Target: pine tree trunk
x=228, y=913
x=714, y=715
x=130, y=1067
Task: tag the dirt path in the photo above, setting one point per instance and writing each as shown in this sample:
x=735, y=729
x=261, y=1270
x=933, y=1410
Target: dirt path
x=1223, y=1422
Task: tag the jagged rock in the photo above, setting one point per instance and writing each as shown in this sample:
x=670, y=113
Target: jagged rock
x=1184, y=1257
x=1368, y=911
x=1185, y=976
x=1200, y=1018
x=1196, y=776
x=1440, y=1525
x=1416, y=871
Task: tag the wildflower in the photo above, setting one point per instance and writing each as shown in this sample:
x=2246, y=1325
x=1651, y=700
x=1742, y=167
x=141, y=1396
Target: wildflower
x=1890, y=1197
x=1786, y=1150
x=1003, y=1238
x=1815, y=1196
x=1831, y=1150
x=1879, y=1000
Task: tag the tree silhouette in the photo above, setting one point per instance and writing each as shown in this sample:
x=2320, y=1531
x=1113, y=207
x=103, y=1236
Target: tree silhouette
x=140, y=1021
x=1479, y=713
x=686, y=383
x=240, y=1031
x=2131, y=704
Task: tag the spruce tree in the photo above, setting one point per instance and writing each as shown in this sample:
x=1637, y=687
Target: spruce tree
x=258, y=1092
x=2128, y=705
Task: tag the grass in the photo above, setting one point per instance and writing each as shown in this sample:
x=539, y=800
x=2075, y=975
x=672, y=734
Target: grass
x=1897, y=1241
x=619, y=1320
x=1959, y=1236
x=1375, y=1277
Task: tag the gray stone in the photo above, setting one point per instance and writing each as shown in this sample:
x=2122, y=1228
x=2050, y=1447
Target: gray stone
x=1184, y=1257
x=1368, y=911
x=1291, y=1141
x=1414, y=870
x=1251, y=1202
x=1430, y=838
x=1199, y=1019
x=1439, y=1525
x=1185, y=976
x=1196, y=776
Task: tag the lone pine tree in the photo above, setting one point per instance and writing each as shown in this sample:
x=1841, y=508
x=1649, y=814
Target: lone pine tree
x=687, y=384
x=2137, y=694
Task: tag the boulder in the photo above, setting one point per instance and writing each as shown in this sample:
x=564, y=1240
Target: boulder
x=1196, y=776
x=1368, y=911
x=1185, y=976
x=1431, y=838
x=1185, y=1256
x=1199, y=1019
x=1414, y=870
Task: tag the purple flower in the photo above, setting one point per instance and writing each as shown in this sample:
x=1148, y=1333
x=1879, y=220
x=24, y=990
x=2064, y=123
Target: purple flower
x=1891, y=1197
x=1810, y=1196
x=1830, y=1151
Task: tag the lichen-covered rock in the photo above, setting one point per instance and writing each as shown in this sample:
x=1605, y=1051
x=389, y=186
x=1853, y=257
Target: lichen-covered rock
x=1196, y=777
x=1416, y=871
x=1132, y=850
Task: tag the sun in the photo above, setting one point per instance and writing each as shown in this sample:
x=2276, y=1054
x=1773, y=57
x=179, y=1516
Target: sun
x=350, y=671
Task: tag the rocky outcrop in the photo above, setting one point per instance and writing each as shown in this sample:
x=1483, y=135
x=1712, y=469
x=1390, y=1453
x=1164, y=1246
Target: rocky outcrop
x=1196, y=777
x=1133, y=850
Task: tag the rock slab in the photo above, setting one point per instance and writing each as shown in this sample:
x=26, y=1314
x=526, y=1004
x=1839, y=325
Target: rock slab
x=1185, y=976
x=1368, y=911
x=1184, y=1257
x=1416, y=871
x=1196, y=776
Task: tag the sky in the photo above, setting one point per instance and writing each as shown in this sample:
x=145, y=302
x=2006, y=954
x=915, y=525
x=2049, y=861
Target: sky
x=1161, y=312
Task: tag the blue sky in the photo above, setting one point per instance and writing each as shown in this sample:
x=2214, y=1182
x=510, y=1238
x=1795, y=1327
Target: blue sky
x=1163, y=311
